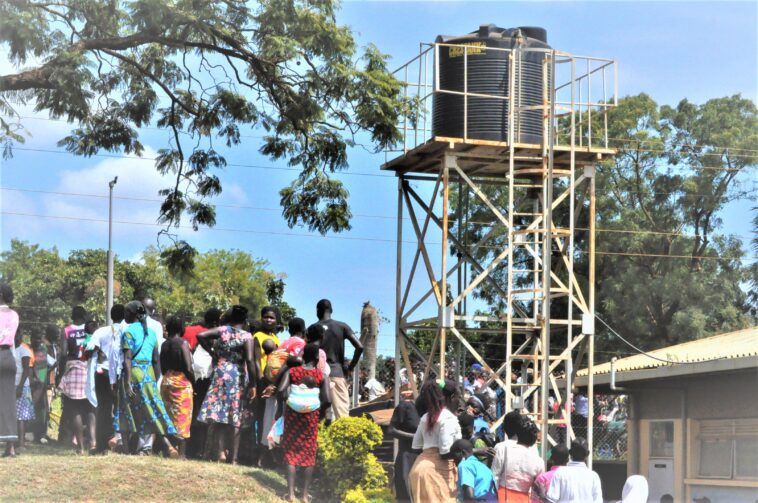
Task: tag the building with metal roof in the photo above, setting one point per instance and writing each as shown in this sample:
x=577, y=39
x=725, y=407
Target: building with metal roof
x=692, y=428
x=730, y=351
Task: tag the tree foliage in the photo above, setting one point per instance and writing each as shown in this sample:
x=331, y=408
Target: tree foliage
x=206, y=71
x=674, y=277
x=46, y=285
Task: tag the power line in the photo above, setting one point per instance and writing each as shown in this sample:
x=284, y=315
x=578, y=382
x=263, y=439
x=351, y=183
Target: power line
x=348, y=238
x=234, y=165
x=701, y=145
x=360, y=215
x=281, y=168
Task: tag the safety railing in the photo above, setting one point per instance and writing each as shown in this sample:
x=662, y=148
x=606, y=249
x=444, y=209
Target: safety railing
x=582, y=89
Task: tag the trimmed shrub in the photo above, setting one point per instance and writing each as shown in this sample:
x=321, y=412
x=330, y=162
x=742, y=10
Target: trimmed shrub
x=359, y=495
x=349, y=466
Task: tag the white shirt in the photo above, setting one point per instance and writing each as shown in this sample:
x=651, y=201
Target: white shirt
x=21, y=352
x=158, y=329
x=582, y=405
x=202, y=363
x=108, y=340
x=575, y=483
x=445, y=431
x=515, y=466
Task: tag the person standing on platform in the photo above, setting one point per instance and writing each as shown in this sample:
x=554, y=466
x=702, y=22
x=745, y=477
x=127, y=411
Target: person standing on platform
x=336, y=333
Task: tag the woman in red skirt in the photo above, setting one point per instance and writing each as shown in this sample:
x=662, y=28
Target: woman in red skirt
x=300, y=438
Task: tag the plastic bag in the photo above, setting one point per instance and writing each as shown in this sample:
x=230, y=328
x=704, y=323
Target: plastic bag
x=275, y=433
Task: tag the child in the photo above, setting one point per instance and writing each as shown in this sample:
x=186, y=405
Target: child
x=269, y=346
x=475, y=480
x=310, y=382
x=559, y=456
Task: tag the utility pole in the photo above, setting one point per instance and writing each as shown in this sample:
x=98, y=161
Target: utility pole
x=109, y=284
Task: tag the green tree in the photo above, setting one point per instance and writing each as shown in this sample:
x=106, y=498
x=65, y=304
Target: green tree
x=666, y=275
x=204, y=70
x=39, y=281
x=47, y=285
x=675, y=171
x=275, y=296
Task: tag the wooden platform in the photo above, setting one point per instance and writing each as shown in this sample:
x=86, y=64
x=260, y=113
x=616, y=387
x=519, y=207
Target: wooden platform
x=490, y=158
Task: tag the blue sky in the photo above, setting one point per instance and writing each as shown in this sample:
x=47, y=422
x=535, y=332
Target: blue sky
x=697, y=50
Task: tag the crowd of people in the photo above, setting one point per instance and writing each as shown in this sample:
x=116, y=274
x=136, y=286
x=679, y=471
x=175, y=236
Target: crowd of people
x=139, y=385
x=227, y=388
x=448, y=451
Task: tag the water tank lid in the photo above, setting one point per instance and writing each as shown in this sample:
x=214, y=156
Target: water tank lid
x=494, y=31
x=534, y=32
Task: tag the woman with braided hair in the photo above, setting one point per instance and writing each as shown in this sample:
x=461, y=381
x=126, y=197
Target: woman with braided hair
x=141, y=409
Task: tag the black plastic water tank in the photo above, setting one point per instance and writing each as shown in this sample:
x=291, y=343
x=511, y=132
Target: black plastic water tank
x=488, y=73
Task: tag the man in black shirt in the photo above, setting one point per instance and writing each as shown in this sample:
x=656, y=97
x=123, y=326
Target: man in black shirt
x=336, y=332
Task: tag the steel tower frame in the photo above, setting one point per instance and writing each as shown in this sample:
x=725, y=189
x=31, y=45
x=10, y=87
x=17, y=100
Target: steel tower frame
x=539, y=254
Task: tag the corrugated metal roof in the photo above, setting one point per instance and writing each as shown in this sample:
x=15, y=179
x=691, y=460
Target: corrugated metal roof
x=739, y=344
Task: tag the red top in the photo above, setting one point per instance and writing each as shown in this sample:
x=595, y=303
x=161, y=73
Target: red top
x=190, y=335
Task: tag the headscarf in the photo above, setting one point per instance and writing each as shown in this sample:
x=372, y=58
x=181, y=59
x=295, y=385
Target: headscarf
x=137, y=309
x=635, y=490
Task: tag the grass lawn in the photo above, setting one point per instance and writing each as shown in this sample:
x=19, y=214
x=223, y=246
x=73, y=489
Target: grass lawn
x=50, y=473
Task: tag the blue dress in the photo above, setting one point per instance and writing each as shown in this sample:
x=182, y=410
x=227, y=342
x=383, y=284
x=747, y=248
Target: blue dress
x=145, y=412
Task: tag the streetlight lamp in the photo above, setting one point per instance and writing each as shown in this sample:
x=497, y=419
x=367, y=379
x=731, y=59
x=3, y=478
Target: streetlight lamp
x=109, y=284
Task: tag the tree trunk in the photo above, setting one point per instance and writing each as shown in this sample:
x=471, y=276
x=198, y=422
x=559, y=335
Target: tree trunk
x=369, y=335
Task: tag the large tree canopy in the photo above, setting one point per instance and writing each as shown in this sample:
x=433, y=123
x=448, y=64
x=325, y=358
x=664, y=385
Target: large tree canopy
x=204, y=70
x=665, y=274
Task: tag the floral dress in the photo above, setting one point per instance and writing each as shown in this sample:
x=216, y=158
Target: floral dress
x=224, y=401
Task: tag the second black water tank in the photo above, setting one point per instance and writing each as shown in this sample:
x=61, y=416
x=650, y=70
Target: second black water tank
x=488, y=73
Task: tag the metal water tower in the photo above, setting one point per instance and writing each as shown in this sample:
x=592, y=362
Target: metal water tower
x=501, y=119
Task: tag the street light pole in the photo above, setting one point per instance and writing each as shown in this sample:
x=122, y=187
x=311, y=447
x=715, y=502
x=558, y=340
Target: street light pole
x=109, y=285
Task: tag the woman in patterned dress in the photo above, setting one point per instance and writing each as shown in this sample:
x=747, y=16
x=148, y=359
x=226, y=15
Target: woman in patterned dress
x=232, y=350
x=141, y=409
x=301, y=429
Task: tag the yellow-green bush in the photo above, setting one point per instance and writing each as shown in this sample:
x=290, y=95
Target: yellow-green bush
x=359, y=495
x=345, y=451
